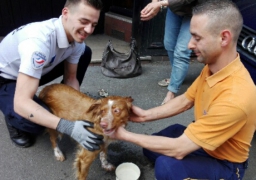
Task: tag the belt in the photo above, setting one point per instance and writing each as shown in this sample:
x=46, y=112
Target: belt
x=5, y=81
x=243, y=165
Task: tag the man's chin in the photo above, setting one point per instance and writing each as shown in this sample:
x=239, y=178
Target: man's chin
x=200, y=59
x=80, y=40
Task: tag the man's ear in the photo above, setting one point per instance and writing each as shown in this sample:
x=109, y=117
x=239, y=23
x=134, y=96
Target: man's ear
x=226, y=37
x=65, y=11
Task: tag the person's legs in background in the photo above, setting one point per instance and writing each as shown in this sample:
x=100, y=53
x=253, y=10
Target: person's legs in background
x=181, y=59
x=22, y=131
x=177, y=36
x=171, y=32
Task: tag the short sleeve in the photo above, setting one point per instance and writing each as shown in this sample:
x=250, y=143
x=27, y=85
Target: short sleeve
x=34, y=55
x=78, y=50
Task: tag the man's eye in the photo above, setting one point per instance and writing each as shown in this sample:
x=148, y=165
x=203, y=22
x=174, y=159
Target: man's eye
x=197, y=38
x=84, y=22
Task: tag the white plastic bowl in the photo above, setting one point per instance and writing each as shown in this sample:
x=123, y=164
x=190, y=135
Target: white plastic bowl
x=127, y=171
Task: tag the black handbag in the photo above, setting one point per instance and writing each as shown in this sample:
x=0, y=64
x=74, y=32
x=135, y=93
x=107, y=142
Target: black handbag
x=121, y=65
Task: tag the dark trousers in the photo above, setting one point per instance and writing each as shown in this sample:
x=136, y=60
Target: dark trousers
x=196, y=165
x=7, y=90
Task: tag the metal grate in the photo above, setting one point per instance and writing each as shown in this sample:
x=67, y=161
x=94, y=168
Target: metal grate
x=246, y=32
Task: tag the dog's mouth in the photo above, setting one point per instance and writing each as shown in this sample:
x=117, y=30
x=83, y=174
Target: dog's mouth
x=109, y=131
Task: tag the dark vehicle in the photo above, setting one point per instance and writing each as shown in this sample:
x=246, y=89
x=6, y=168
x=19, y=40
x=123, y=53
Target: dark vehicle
x=247, y=40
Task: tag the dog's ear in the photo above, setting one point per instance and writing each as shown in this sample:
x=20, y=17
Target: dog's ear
x=94, y=106
x=129, y=101
x=95, y=109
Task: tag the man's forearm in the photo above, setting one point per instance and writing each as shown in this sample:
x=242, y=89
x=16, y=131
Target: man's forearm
x=25, y=106
x=173, y=147
x=36, y=113
x=159, y=144
x=74, y=84
x=171, y=108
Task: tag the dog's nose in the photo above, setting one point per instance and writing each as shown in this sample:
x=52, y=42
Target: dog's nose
x=103, y=124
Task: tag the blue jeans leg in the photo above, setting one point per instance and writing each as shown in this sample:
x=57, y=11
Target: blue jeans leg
x=196, y=165
x=176, y=39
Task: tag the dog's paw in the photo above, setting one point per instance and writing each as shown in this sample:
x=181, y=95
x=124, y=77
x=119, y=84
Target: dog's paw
x=58, y=154
x=108, y=167
x=105, y=164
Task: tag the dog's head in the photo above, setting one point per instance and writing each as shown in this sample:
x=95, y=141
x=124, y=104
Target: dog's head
x=111, y=112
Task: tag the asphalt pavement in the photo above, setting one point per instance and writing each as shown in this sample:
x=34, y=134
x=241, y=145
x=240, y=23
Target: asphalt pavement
x=38, y=163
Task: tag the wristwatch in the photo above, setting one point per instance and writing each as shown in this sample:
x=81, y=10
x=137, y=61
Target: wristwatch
x=164, y=4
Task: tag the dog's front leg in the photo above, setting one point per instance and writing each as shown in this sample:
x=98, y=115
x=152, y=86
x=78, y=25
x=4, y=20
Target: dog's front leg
x=54, y=139
x=103, y=159
x=83, y=161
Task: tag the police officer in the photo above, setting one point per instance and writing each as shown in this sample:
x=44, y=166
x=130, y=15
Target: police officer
x=37, y=53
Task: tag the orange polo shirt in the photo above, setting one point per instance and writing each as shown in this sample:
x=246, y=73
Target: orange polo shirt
x=225, y=112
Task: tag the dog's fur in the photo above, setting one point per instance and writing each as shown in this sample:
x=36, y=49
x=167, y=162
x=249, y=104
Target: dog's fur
x=106, y=113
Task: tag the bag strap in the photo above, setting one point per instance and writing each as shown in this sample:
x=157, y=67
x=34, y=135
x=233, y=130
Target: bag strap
x=105, y=52
x=133, y=44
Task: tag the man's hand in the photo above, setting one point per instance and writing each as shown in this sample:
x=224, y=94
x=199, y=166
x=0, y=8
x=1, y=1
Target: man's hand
x=119, y=133
x=138, y=114
x=79, y=132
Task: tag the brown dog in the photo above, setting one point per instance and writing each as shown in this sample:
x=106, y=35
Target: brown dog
x=107, y=114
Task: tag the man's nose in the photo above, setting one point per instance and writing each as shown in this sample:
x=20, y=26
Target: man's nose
x=88, y=29
x=191, y=44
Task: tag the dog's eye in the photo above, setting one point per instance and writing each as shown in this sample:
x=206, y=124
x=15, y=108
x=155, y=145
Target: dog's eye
x=116, y=110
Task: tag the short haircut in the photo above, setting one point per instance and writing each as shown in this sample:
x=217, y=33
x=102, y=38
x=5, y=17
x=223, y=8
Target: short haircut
x=223, y=14
x=97, y=4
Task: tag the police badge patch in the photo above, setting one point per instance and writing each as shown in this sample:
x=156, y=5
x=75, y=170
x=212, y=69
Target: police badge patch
x=38, y=60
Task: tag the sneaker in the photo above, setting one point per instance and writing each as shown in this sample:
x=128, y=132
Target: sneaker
x=164, y=82
x=18, y=137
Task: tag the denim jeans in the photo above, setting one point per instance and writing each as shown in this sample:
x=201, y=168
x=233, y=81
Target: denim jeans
x=7, y=91
x=176, y=39
x=196, y=165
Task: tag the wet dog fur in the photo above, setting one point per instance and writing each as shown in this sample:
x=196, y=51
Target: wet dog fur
x=107, y=114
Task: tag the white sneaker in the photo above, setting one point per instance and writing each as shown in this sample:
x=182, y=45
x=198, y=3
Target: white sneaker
x=164, y=82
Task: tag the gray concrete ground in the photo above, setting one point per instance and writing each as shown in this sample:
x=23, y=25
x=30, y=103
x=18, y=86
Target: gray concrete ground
x=38, y=163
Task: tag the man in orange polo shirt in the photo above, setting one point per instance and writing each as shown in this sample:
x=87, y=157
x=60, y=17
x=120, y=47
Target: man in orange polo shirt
x=216, y=145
